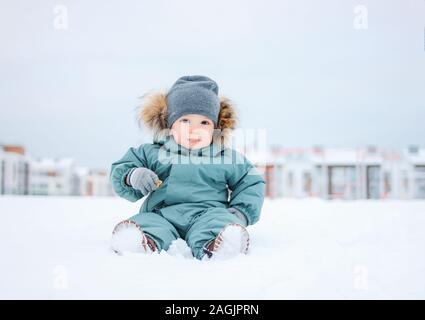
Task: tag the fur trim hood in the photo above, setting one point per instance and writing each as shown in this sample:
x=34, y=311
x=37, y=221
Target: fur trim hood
x=152, y=114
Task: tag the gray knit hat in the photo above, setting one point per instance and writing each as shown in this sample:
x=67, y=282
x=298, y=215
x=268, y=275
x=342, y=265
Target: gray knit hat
x=193, y=94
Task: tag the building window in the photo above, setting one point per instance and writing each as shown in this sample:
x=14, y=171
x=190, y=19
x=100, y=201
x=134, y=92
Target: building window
x=405, y=182
x=290, y=183
x=2, y=165
x=387, y=184
x=372, y=182
x=420, y=182
x=268, y=176
x=307, y=183
x=342, y=182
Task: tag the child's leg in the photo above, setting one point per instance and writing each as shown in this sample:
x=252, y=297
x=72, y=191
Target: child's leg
x=157, y=228
x=207, y=227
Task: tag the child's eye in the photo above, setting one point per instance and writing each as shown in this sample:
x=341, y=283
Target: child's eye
x=205, y=122
x=184, y=120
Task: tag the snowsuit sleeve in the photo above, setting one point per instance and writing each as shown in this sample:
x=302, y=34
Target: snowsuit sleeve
x=247, y=190
x=133, y=158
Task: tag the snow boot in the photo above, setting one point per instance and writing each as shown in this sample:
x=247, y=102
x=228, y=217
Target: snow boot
x=129, y=236
x=232, y=240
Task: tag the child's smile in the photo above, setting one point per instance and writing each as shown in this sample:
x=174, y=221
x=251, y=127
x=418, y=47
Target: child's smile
x=194, y=142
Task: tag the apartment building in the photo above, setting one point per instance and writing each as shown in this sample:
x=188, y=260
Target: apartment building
x=51, y=176
x=14, y=170
x=353, y=173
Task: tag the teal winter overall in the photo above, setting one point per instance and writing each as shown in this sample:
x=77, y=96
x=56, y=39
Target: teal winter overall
x=199, y=185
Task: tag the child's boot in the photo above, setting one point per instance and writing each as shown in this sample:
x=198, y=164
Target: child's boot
x=232, y=240
x=128, y=236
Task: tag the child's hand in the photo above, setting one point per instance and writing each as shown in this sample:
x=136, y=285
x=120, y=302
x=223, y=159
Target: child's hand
x=143, y=179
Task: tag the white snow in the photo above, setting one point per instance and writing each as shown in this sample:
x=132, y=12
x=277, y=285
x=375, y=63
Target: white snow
x=59, y=247
x=180, y=249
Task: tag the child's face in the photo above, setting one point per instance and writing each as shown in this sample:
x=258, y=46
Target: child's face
x=193, y=131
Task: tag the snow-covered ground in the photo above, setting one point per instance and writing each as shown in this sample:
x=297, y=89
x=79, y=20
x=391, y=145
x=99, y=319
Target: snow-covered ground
x=58, y=247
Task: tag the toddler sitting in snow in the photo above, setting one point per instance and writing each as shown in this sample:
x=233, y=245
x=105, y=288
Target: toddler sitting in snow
x=197, y=187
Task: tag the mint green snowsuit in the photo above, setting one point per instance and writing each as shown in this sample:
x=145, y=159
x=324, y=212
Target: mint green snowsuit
x=193, y=199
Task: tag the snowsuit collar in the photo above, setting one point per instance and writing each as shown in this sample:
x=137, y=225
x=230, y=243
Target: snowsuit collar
x=172, y=146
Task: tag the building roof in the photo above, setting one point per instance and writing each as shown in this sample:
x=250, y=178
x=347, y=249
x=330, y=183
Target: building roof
x=51, y=163
x=415, y=156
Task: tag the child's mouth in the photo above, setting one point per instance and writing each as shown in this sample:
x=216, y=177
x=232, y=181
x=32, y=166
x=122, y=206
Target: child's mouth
x=194, y=141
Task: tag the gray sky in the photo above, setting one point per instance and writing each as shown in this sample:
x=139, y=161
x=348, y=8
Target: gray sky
x=297, y=68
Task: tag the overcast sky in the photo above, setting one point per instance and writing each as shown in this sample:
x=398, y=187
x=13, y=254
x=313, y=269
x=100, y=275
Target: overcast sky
x=299, y=69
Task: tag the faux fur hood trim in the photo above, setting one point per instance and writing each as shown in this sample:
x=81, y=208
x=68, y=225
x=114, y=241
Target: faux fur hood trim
x=152, y=114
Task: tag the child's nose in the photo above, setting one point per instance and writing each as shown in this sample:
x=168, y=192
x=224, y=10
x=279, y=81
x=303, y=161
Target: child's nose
x=193, y=128
x=198, y=131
